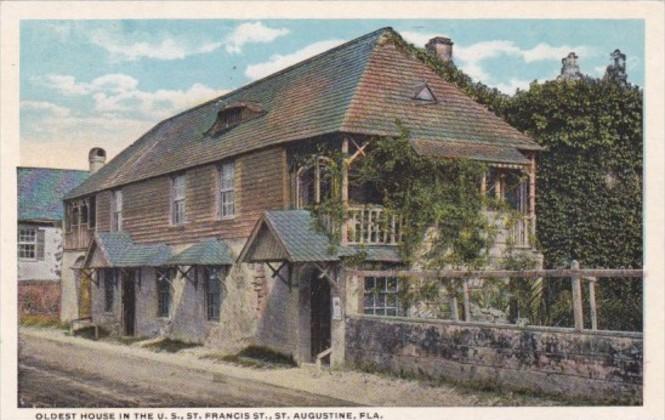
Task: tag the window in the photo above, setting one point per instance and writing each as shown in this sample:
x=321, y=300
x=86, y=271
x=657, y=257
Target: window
x=116, y=214
x=109, y=289
x=213, y=288
x=84, y=212
x=508, y=186
x=381, y=296
x=226, y=191
x=314, y=183
x=178, y=205
x=163, y=293
x=232, y=117
x=30, y=243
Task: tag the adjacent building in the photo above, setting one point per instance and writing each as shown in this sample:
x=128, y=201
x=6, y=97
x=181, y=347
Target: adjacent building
x=199, y=230
x=40, y=238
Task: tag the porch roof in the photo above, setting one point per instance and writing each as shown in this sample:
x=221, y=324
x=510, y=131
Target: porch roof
x=467, y=150
x=290, y=235
x=207, y=252
x=119, y=250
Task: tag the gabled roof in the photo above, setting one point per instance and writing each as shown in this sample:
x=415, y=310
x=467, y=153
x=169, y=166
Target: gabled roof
x=293, y=237
x=208, y=252
x=40, y=192
x=362, y=86
x=119, y=250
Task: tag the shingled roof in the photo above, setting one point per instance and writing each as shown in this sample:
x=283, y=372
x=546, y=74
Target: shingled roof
x=362, y=86
x=40, y=192
x=119, y=250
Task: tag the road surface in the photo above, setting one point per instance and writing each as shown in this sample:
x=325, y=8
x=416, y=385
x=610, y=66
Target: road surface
x=53, y=374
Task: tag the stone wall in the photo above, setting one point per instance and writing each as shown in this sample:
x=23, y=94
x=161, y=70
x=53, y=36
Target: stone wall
x=39, y=297
x=599, y=365
x=69, y=308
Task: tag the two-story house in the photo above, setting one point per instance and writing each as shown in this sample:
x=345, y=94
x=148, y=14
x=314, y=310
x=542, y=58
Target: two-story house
x=201, y=233
x=39, y=236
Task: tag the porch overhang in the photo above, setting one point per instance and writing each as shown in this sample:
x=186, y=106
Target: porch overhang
x=501, y=155
x=118, y=250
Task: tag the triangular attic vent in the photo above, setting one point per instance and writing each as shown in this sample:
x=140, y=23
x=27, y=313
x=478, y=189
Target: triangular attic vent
x=424, y=93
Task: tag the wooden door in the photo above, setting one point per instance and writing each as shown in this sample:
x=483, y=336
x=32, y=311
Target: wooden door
x=128, y=303
x=320, y=315
x=85, y=299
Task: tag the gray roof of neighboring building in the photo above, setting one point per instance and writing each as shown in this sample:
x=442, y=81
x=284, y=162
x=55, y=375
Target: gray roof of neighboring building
x=41, y=190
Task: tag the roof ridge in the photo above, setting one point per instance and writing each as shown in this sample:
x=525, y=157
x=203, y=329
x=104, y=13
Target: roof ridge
x=52, y=169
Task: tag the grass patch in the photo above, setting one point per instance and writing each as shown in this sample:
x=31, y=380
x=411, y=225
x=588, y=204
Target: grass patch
x=255, y=357
x=168, y=345
x=43, y=321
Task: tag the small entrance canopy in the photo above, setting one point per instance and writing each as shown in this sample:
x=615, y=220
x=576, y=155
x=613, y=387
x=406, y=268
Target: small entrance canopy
x=290, y=237
x=118, y=250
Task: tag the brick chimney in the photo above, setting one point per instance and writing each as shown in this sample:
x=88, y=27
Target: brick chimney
x=96, y=159
x=442, y=47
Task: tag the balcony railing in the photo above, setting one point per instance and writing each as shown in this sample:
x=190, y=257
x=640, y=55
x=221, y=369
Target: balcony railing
x=371, y=224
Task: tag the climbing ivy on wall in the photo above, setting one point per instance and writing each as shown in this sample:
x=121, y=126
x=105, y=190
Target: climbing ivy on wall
x=589, y=181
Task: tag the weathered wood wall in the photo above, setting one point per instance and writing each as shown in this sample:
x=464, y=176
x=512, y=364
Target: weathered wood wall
x=260, y=179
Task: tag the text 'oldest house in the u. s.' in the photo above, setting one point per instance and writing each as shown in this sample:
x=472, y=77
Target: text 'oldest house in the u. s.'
x=198, y=230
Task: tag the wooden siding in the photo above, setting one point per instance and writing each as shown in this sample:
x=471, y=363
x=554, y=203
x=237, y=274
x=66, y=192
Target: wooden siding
x=259, y=186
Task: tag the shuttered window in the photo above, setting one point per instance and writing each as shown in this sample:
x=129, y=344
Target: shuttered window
x=227, y=190
x=178, y=186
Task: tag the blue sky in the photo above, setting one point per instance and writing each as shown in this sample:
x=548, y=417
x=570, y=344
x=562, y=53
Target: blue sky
x=88, y=83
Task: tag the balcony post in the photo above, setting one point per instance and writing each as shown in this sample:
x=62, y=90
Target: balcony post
x=532, y=194
x=345, y=189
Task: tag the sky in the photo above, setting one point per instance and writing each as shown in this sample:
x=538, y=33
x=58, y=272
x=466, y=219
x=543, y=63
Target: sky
x=87, y=83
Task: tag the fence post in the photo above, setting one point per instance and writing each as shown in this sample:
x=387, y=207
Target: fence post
x=467, y=308
x=592, y=303
x=577, y=297
x=453, y=303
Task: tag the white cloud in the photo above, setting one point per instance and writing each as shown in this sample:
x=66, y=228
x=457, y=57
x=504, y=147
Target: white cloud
x=43, y=107
x=120, y=93
x=279, y=61
x=252, y=33
x=511, y=87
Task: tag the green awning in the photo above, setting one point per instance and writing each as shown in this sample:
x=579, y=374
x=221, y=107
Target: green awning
x=208, y=252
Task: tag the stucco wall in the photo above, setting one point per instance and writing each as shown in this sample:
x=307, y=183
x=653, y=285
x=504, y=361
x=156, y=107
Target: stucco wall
x=69, y=287
x=48, y=268
x=599, y=365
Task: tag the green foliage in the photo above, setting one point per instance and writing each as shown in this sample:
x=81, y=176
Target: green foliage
x=590, y=177
x=438, y=199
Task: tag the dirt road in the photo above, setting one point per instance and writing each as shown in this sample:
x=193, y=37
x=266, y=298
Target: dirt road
x=53, y=374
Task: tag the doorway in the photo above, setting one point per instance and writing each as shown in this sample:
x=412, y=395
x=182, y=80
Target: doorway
x=85, y=289
x=320, y=314
x=128, y=303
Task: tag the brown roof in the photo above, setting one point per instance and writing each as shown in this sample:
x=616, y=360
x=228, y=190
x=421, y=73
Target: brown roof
x=362, y=87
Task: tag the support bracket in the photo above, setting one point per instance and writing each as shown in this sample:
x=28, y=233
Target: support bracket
x=276, y=274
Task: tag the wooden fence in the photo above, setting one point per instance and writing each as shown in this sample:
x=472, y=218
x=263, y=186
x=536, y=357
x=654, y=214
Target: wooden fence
x=576, y=275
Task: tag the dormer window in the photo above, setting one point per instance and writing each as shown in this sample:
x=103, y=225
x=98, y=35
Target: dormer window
x=233, y=114
x=424, y=93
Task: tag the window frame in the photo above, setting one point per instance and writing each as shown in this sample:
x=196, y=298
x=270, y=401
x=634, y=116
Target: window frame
x=27, y=242
x=177, y=200
x=228, y=190
x=213, y=302
x=383, y=293
x=110, y=280
x=163, y=287
x=116, y=210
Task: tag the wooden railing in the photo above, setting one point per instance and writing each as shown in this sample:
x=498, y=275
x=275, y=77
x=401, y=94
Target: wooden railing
x=465, y=279
x=371, y=224
x=78, y=238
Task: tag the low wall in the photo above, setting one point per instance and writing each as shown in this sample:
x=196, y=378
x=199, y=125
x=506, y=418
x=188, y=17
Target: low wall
x=593, y=365
x=39, y=297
